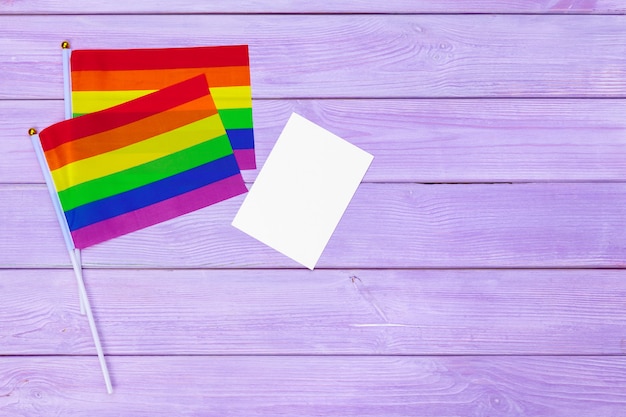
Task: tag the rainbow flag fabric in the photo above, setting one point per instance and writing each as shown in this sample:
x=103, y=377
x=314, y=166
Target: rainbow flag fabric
x=141, y=162
x=108, y=77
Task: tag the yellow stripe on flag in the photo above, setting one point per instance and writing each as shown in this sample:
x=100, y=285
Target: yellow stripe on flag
x=91, y=101
x=138, y=153
x=232, y=97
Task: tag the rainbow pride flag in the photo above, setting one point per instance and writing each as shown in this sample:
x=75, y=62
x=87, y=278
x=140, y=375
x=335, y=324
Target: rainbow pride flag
x=142, y=162
x=105, y=78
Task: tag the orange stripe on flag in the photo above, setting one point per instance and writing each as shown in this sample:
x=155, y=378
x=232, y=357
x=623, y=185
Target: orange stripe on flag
x=129, y=112
x=156, y=79
x=131, y=133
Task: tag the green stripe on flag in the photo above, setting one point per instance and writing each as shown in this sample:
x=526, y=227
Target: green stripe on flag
x=138, y=176
x=236, y=118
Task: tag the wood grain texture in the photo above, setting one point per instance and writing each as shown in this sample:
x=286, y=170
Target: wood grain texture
x=385, y=226
x=324, y=312
x=303, y=6
x=375, y=56
x=441, y=140
x=413, y=311
x=315, y=386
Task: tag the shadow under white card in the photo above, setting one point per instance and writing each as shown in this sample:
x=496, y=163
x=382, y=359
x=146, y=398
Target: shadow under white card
x=302, y=190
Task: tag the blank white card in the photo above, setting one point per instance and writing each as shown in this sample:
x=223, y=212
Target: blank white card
x=302, y=190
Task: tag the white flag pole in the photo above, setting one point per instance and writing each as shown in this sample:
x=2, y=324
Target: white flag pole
x=67, y=80
x=67, y=101
x=94, y=330
x=74, y=255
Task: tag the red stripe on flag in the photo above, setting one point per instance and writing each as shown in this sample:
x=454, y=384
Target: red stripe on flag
x=131, y=133
x=165, y=58
x=124, y=113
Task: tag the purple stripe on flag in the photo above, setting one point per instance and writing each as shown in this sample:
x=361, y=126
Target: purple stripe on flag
x=245, y=158
x=159, y=212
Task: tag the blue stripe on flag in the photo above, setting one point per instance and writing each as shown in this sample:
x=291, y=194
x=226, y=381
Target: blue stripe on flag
x=241, y=138
x=152, y=193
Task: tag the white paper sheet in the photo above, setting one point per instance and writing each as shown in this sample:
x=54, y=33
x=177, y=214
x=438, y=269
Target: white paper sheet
x=302, y=190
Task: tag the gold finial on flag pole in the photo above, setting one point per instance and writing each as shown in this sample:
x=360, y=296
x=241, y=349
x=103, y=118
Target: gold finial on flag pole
x=32, y=131
x=65, y=45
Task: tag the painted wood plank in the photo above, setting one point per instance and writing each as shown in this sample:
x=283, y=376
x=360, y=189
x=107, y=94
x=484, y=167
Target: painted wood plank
x=303, y=6
x=376, y=56
x=19, y=163
x=429, y=141
x=315, y=386
x=324, y=312
x=385, y=226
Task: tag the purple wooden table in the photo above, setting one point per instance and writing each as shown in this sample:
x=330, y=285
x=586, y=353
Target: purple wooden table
x=479, y=270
